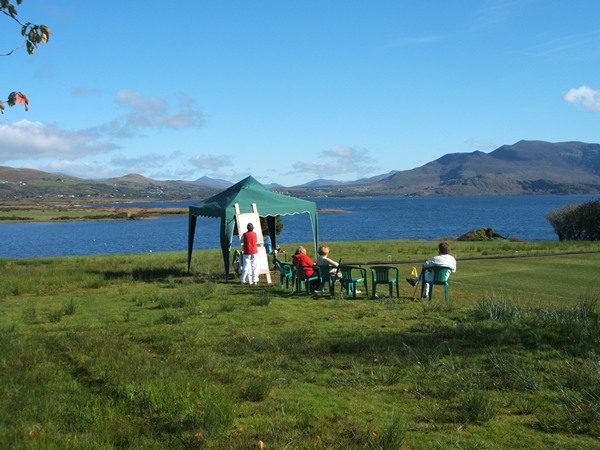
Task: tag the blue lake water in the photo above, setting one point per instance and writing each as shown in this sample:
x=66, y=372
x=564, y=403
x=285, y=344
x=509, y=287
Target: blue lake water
x=427, y=218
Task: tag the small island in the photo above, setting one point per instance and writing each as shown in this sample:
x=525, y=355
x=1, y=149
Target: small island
x=29, y=210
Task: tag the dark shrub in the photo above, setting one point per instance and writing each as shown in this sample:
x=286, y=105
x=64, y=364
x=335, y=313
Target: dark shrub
x=576, y=222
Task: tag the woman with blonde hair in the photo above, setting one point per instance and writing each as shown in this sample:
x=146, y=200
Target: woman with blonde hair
x=301, y=259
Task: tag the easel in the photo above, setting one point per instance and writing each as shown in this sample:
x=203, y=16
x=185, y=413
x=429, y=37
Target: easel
x=242, y=220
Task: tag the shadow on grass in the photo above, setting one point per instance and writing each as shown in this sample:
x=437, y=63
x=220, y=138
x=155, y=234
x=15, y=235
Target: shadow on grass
x=428, y=340
x=150, y=274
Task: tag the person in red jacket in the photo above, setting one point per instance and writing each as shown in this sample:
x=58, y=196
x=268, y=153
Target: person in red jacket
x=301, y=260
x=249, y=256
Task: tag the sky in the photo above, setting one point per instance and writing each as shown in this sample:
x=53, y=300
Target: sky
x=293, y=91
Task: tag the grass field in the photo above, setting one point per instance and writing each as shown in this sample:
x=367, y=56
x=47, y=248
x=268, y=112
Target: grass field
x=131, y=351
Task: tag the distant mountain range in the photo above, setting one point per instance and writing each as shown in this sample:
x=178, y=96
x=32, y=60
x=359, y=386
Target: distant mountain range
x=527, y=167
x=30, y=183
x=323, y=183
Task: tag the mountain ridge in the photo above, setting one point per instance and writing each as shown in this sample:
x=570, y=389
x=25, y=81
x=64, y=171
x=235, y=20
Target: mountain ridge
x=526, y=167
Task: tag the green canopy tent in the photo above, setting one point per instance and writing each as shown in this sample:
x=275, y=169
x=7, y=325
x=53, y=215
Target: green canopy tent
x=245, y=193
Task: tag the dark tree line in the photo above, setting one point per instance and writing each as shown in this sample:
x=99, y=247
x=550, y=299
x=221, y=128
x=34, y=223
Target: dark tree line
x=576, y=222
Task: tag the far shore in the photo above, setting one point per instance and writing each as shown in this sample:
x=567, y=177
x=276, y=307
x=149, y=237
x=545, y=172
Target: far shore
x=27, y=210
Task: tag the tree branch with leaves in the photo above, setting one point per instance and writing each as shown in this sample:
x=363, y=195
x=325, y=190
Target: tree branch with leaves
x=34, y=35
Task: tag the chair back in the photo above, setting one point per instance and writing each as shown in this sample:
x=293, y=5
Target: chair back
x=348, y=272
x=324, y=271
x=305, y=280
x=351, y=276
x=286, y=271
x=301, y=274
x=286, y=268
x=440, y=274
x=383, y=274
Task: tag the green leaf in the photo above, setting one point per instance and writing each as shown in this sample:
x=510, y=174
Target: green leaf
x=45, y=31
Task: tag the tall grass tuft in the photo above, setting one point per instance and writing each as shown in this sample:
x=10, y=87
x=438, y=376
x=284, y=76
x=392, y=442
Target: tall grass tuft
x=499, y=309
x=217, y=409
x=262, y=299
x=295, y=340
x=256, y=388
x=577, y=414
x=511, y=372
x=390, y=438
x=582, y=375
x=69, y=308
x=170, y=317
x=55, y=315
x=576, y=330
x=476, y=406
x=29, y=315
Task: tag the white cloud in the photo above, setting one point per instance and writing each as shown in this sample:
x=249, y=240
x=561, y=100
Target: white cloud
x=137, y=102
x=89, y=171
x=49, y=147
x=211, y=162
x=139, y=163
x=341, y=152
x=338, y=160
x=35, y=140
x=482, y=146
x=84, y=91
x=585, y=95
x=150, y=111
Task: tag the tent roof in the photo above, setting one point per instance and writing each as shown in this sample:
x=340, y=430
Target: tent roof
x=246, y=192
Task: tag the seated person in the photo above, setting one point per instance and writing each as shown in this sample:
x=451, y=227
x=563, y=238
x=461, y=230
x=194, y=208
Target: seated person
x=237, y=263
x=324, y=260
x=301, y=259
x=267, y=243
x=276, y=262
x=443, y=259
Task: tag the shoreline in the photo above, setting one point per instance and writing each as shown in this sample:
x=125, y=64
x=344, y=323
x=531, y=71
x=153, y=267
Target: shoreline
x=65, y=212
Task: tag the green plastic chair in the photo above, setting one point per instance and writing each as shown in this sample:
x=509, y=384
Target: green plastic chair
x=385, y=275
x=302, y=281
x=327, y=279
x=286, y=271
x=440, y=278
x=351, y=276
